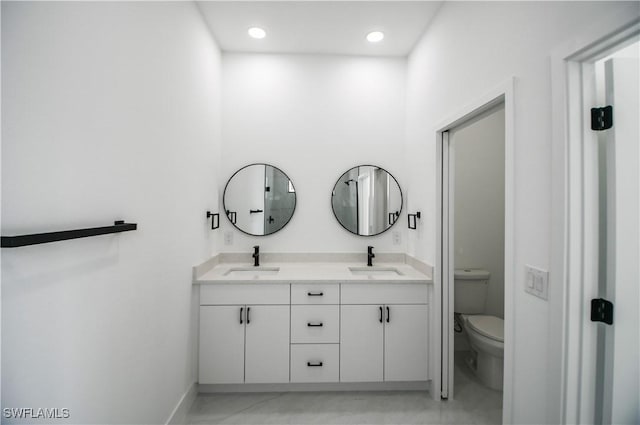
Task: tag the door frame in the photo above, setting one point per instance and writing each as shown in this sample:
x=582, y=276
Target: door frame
x=443, y=274
x=573, y=276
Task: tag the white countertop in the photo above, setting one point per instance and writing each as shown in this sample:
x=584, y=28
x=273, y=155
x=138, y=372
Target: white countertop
x=329, y=272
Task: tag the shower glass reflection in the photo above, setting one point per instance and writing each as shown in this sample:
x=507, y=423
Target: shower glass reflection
x=366, y=200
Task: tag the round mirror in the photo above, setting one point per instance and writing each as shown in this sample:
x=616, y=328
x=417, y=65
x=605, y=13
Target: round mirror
x=366, y=200
x=259, y=199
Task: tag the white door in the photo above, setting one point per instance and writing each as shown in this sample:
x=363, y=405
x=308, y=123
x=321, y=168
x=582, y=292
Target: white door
x=405, y=343
x=221, y=345
x=621, y=392
x=267, y=344
x=361, y=343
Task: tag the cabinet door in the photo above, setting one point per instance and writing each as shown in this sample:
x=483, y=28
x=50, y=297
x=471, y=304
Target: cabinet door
x=405, y=343
x=267, y=344
x=361, y=341
x=221, y=345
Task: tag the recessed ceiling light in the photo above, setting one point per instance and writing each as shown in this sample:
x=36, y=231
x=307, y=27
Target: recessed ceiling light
x=256, y=32
x=375, y=36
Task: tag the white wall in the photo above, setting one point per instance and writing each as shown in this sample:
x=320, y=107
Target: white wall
x=109, y=111
x=314, y=117
x=470, y=48
x=478, y=155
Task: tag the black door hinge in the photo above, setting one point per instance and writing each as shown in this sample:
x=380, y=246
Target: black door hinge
x=602, y=118
x=602, y=311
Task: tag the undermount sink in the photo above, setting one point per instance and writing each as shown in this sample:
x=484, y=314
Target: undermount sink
x=252, y=271
x=375, y=271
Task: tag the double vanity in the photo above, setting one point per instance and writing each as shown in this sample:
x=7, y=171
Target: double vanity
x=301, y=321
x=313, y=319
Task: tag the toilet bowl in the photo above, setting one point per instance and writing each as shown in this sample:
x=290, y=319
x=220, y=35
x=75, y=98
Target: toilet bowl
x=486, y=337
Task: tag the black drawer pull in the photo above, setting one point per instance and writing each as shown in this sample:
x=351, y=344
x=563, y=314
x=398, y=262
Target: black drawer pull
x=249, y=309
x=314, y=325
x=241, y=308
x=315, y=294
x=388, y=315
x=380, y=313
x=319, y=364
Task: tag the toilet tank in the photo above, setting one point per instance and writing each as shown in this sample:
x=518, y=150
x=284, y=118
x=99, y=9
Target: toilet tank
x=470, y=291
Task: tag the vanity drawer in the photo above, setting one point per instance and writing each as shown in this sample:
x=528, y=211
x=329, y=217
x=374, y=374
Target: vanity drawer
x=315, y=293
x=315, y=363
x=384, y=293
x=315, y=324
x=238, y=294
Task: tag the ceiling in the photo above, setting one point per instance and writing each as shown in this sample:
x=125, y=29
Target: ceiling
x=319, y=27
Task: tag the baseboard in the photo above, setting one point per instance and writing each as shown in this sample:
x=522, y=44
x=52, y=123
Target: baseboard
x=337, y=386
x=179, y=414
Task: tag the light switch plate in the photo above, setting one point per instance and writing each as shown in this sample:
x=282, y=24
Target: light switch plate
x=536, y=282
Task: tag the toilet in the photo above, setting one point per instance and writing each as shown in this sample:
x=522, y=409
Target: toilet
x=484, y=332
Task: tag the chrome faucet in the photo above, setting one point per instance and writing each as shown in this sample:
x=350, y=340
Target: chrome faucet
x=370, y=256
x=256, y=256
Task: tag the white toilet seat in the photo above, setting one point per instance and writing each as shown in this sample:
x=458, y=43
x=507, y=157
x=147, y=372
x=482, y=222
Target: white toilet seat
x=489, y=326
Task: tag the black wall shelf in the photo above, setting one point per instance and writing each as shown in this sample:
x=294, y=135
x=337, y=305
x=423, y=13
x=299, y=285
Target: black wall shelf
x=38, y=238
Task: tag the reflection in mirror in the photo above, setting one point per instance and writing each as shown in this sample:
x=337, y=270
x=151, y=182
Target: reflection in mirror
x=366, y=200
x=259, y=199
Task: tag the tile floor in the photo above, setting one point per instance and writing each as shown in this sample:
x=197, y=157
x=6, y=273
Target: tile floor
x=474, y=404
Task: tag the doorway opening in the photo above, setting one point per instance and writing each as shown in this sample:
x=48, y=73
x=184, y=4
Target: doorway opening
x=475, y=241
x=476, y=188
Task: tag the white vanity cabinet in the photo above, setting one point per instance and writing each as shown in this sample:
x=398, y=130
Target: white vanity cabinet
x=305, y=333
x=315, y=332
x=384, y=332
x=244, y=334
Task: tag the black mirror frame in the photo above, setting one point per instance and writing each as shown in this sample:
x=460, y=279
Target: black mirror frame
x=224, y=207
x=394, y=179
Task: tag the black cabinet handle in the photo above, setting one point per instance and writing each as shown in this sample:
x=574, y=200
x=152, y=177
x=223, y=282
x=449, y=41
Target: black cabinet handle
x=315, y=294
x=241, y=308
x=249, y=309
x=314, y=325
x=388, y=315
x=380, y=313
x=319, y=364
x=255, y=211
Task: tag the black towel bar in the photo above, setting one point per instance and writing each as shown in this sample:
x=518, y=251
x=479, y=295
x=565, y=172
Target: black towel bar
x=38, y=238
